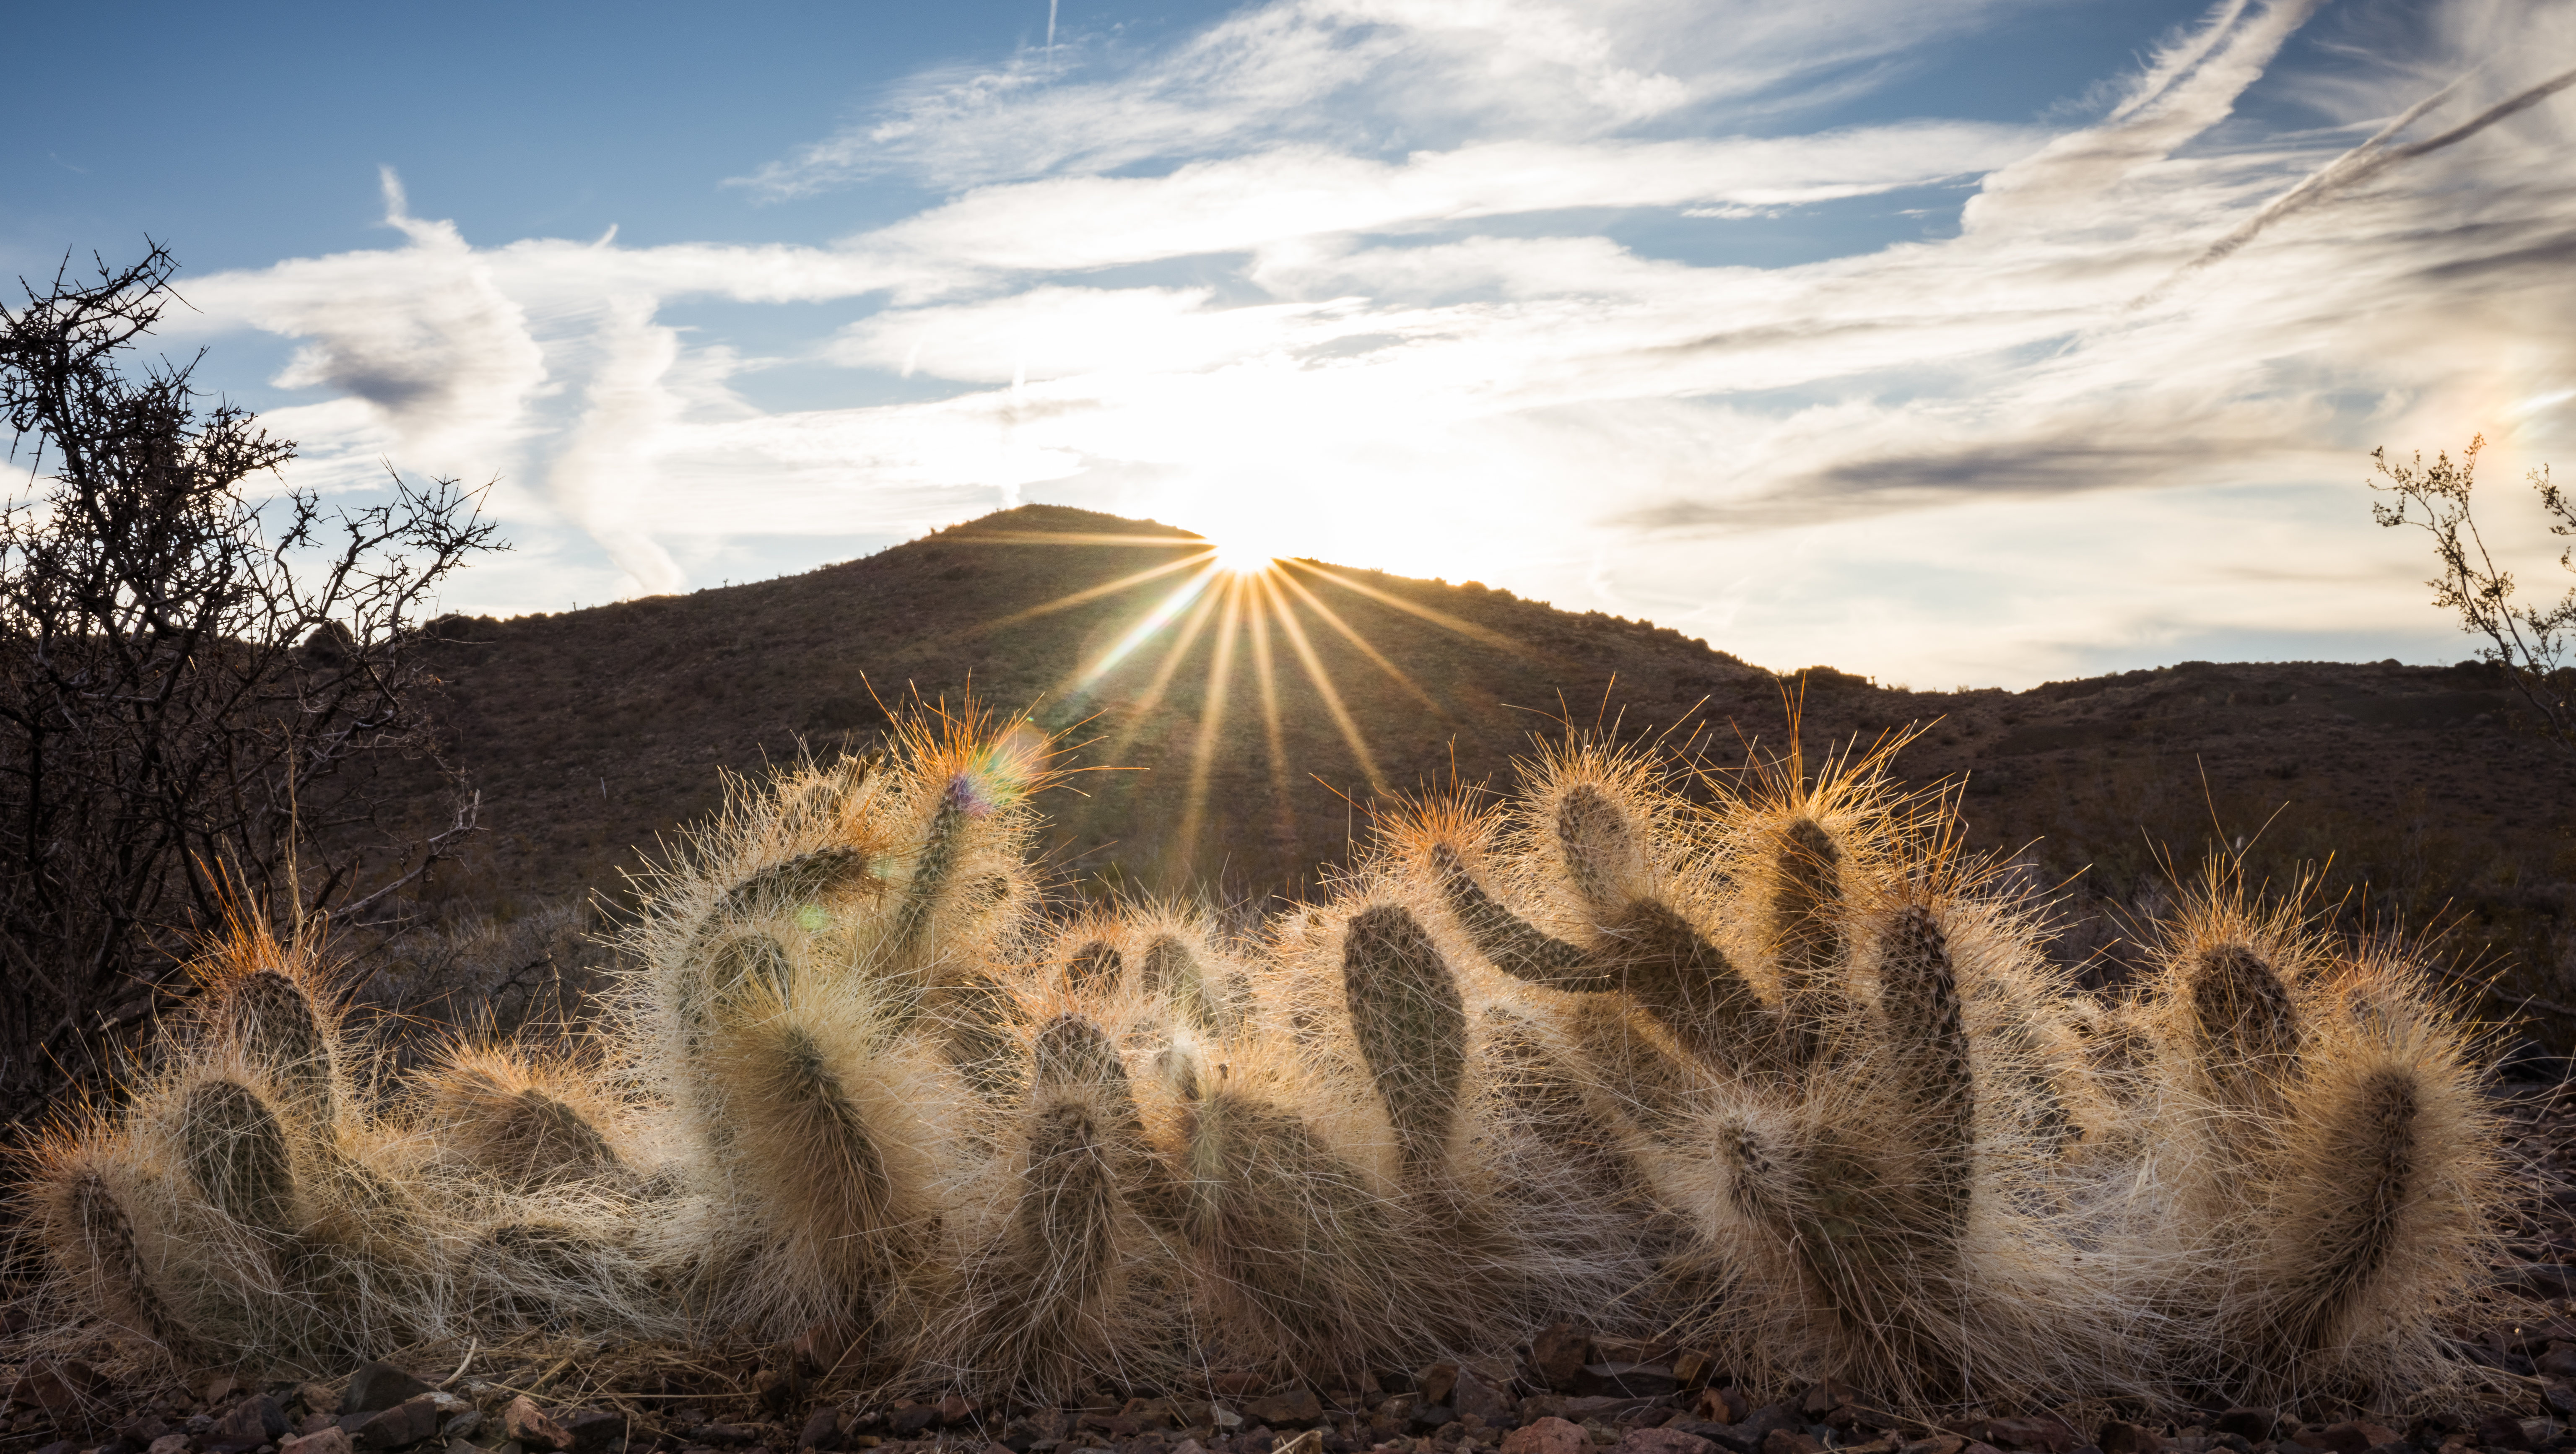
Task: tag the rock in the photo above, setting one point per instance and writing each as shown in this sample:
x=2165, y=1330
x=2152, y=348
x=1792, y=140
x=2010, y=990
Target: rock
x=1824, y=1398
x=728, y=1435
x=1435, y=1381
x=333, y=1440
x=2354, y=1436
x=319, y=1398
x=1759, y=1425
x=214, y=1388
x=2502, y=1431
x=1189, y=1446
x=1428, y=1418
x=1630, y=1380
x=1723, y=1405
x=178, y=1444
x=461, y=1426
x=1548, y=1436
x=593, y=1429
x=376, y=1387
x=1790, y=1441
x=825, y=1348
x=1309, y=1442
x=61, y=1446
x=1558, y=1353
x=2038, y=1433
x=254, y=1421
x=2116, y=1437
x=1664, y=1441
x=954, y=1409
x=525, y=1422
x=906, y=1423
x=822, y=1431
x=1297, y=1407
x=2246, y=1423
x=1693, y=1368
x=405, y=1424
x=56, y=1387
x=1475, y=1398
x=2558, y=1362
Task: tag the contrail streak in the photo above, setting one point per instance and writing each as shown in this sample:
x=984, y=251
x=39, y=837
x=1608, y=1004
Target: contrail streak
x=2370, y=159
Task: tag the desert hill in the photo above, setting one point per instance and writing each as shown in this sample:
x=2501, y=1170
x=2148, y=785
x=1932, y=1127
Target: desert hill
x=591, y=733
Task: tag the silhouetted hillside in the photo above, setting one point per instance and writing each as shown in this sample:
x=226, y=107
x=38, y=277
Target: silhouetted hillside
x=591, y=733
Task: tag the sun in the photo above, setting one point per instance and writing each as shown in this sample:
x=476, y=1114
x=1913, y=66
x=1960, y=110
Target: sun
x=1243, y=558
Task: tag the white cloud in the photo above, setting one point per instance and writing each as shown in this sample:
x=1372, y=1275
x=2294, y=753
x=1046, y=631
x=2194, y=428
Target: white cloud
x=1365, y=305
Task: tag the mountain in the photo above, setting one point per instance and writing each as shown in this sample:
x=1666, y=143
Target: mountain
x=593, y=734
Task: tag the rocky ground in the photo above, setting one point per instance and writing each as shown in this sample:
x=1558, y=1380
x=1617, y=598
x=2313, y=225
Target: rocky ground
x=1565, y=1393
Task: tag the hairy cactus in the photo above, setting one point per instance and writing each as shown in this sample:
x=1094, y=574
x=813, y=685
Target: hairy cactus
x=1412, y=1032
x=527, y=1122
x=1781, y=1071
x=236, y=1155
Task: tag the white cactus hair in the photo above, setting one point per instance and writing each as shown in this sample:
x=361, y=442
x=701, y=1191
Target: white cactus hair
x=1763, y=1061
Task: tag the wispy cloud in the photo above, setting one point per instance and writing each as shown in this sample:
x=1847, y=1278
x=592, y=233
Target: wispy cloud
x=1369, y=279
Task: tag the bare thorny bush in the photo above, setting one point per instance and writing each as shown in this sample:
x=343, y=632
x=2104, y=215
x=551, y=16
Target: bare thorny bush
x=2529, y=643
x=191, y=681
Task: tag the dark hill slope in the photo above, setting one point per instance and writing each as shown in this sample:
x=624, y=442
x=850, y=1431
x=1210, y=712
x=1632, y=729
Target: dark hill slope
x=591, y=732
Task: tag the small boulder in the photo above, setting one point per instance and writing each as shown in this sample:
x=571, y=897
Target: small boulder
x=530, y=1426
x=178, y=1444
x=254, y=1421
x=376, y=1387
x=332, y=1440
x=907, y=1423
x=2503, y=1431
x=319, y=1398
x=2119, y=1437
x=1790, y=1441
x=407, y=1423
x=2247, y=1423
x=592, y=1430
x=1435, y=1381
x=2035, y=1434
x=1298, y=1407
x=1309, y=1442
x=57, y=1388
x=1475, y=1398
x=1663, y=1441
x=822, y=1431
x=1548, y=1436
x=1559, y=1353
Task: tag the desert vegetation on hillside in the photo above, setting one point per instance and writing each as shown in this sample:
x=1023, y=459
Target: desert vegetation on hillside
x=1775, y=1066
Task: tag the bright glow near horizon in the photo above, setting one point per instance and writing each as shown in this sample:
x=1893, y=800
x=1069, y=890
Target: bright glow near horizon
x=1972, y=342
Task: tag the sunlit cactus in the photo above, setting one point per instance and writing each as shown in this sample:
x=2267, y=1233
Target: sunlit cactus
x=1067, y=1276
x=99, y=1227
x=527, y=1121
x=269, y=1001
x=1762, y=1061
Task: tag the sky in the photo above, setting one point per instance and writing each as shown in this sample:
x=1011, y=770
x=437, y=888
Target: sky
x=1952, y=342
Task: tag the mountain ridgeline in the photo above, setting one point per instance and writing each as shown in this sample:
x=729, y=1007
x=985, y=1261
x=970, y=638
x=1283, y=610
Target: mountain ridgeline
x=1230, y=753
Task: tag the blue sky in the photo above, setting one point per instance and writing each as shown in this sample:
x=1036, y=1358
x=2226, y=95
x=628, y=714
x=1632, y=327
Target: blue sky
x=1981, y=342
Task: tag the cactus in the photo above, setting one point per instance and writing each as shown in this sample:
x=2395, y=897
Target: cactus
x=1072, y=1281
x=528, y=1123
x=1786, y=1073
x=1412, y=1032
x=236, y=1156
x=96, y=1231
x=1097, y=964
x=1934, y=1094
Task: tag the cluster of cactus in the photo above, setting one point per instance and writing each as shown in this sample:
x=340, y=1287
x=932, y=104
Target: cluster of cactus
x=1777, y=1071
